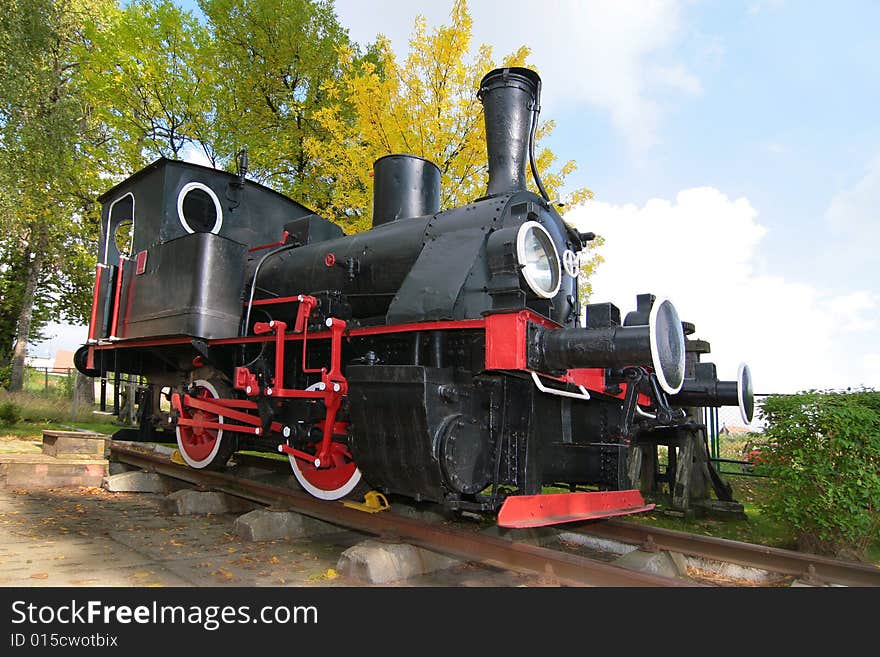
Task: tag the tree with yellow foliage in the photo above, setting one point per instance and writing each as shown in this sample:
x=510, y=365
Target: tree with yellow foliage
x=427, y=106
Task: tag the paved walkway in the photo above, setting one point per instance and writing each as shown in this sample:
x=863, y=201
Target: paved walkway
x=87, y=536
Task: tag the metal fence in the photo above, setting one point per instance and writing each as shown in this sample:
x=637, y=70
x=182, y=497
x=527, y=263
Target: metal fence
x=731, y=439
x=110, y=393
x=50, y=381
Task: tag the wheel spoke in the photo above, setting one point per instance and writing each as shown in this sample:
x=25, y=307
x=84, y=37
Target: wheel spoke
x=198, y=444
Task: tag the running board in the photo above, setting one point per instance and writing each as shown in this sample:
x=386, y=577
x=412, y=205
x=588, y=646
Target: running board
x=520, y=511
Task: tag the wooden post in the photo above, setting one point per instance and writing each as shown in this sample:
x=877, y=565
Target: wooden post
x=682, y=489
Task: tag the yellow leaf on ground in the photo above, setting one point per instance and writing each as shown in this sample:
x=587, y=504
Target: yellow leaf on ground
x=40, y=576
x=330, y=573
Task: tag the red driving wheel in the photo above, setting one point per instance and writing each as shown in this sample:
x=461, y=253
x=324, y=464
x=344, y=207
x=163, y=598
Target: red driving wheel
x=202, y=446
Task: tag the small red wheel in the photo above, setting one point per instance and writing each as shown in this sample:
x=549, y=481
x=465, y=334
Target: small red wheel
x=200, y=446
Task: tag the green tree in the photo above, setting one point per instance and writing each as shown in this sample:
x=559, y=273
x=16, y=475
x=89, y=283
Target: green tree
x=48, y=170
x=146, y=81
x=271, y=61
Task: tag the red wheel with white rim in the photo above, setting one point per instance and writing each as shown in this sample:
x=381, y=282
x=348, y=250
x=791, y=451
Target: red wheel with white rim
x=201, y=446
x=330, y=483
x=333, y=482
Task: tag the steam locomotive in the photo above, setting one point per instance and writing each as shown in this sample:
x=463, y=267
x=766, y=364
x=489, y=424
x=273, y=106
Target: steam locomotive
x=441, y=355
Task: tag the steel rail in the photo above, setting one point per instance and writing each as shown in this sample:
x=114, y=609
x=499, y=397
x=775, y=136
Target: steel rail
x=787, y=562
x=556, y=566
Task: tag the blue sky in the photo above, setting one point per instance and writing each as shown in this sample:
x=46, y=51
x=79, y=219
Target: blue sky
x=734, y=151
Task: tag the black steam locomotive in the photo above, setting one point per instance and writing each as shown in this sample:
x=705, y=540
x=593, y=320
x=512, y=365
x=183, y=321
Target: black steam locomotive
x=439, y=355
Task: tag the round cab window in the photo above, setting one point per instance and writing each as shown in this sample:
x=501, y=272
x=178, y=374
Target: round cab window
x=199, y=209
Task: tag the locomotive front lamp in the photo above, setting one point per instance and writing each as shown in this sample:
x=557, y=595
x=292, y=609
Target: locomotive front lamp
x=539, y=259
x=667, y=345
x=744, y=394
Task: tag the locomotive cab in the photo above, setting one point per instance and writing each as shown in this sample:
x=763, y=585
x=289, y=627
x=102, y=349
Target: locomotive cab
x=176, y=242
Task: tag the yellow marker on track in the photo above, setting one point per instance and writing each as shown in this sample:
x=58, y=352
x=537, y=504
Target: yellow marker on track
x=374, y=502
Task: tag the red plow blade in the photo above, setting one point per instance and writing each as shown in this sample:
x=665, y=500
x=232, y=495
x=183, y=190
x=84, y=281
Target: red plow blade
x=520, y=511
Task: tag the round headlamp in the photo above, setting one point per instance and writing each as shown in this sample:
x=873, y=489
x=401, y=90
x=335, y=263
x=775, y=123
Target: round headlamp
x=539, y=259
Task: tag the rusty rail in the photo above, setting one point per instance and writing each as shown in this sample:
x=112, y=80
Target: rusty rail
x=787, y=562
x=568, y=569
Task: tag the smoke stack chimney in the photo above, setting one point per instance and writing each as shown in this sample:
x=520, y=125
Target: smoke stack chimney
x=508, y=96
x=404, y=186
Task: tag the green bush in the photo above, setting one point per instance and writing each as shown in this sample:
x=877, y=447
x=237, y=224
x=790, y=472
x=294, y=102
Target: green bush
x=822, y=450
x=10, y=414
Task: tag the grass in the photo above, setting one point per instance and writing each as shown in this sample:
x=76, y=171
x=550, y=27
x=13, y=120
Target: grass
x=46, y=408
x=755, y=528
x=36, y=412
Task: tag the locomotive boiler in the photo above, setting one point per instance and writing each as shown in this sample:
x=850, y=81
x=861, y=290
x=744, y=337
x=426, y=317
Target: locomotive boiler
x=441, y=355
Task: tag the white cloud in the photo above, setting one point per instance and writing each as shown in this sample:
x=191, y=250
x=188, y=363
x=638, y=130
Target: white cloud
x=701, y=251
x=857, y=209
x=853, y=220
x=849, y=311
x=610, y=54
x=872, y=366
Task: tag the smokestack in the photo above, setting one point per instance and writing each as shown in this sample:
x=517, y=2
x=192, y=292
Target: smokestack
x=508, y=96
x=404, y=186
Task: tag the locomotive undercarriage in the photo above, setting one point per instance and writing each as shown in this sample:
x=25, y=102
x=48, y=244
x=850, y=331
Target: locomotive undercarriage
x=422, y=415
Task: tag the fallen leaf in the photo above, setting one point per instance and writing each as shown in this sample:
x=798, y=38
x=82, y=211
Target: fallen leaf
x=40, y=576
x=330, y=573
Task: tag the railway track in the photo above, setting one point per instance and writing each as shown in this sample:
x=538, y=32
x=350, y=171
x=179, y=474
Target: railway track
x=564, y=567
x=809, y=567
x=553, y=565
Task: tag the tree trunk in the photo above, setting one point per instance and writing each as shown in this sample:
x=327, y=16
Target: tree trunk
x=84, y=390
x=11, y=294
x=35, y=268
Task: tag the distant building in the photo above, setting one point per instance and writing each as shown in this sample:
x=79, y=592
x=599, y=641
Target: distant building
x=60, y=363
x=733, y=431
x=63, y=361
